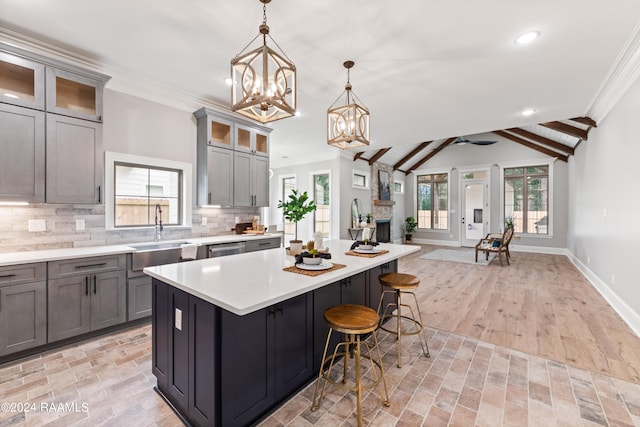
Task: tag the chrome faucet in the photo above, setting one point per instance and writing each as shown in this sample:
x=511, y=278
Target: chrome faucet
x=158, y=221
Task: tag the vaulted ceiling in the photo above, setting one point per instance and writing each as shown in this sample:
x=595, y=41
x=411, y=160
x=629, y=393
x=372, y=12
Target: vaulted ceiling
x=427, y=70
x=554, y=139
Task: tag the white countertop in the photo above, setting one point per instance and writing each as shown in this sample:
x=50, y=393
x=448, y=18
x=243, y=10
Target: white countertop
x=251, y=281
x=25, y=257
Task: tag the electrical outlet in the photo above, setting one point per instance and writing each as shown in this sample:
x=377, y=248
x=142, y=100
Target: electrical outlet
x=604, y=212
x=37, y=225
x=588, y=260
x=237, y=219
x=613, y=279
x=79, y=224
x=204, y=220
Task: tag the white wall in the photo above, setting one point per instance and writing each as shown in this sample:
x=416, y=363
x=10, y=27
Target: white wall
x=603, y=200
x=466, y=156
x=134, y=125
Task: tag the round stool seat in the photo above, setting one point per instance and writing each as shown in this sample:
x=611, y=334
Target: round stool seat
x=400, y=281
x=352, y=319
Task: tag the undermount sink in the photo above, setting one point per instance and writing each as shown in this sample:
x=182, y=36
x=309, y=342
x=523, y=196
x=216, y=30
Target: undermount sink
x=151, y=254
x=158, y=246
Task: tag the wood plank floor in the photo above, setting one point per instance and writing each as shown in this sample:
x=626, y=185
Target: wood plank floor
x=540, y=304
x=529, y=344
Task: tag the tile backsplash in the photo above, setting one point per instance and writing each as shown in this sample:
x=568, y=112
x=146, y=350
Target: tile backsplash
x=61, y=230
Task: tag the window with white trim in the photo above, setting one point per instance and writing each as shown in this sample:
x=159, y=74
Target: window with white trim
x=398, y=186
x=433, y=201
x=142, y=192
x=136, y=184
x=322, y=199
x=526, y=198
x=360, y=179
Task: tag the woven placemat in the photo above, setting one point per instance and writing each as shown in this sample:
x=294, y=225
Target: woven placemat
x=384, y=251
x=295, y=269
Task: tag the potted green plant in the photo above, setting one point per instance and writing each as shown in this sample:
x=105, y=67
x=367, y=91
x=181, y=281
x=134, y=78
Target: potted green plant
x=369, y=216
x=296, y=207
x=410, y=225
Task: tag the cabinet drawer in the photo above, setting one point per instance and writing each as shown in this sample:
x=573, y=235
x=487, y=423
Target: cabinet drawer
x=23, y=273
x=261, y=244
x=72, y=267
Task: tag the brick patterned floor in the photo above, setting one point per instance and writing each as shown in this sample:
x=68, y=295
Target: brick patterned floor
x=466, y=382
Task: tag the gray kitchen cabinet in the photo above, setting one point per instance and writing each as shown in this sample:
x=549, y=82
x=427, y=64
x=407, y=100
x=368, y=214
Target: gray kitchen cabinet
x=75, y=95
x=74, y=159
x=69, y=307
x=23, y=307
x=218, y=134
x=139, y=297
x=22, y=144
x=250, y=139
x=21, y=81
x=220, y=176
x=262, y=244
x=70, y=168
x=251, y=180
x=85, y=295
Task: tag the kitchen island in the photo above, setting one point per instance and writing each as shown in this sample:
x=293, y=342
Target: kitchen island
x=234, y=337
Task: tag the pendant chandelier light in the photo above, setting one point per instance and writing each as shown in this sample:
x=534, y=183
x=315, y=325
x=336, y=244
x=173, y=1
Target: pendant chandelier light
x=348, y=124
x=264, y=81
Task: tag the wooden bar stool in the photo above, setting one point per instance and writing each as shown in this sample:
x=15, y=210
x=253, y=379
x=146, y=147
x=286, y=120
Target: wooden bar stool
x=400, y=284
x=353, y=321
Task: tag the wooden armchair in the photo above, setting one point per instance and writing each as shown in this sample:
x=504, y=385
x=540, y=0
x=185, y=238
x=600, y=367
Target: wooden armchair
x=498, y=245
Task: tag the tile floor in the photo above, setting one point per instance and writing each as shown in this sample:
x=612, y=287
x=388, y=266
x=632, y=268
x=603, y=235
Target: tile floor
x=466, y=382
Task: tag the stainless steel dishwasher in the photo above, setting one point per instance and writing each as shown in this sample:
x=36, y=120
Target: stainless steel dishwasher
x=223, y=249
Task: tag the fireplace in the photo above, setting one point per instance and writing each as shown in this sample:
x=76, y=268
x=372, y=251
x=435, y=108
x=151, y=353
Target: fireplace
x=383, y=230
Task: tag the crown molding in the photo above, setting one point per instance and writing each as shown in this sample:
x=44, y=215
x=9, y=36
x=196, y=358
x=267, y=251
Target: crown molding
x=121, y=81
x=624, y=71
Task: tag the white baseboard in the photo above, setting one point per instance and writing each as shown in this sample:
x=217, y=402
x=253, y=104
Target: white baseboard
x=629, y=316
x=452, y=243
x=538, y=249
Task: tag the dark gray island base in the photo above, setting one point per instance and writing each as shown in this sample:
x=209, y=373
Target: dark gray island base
x=217, y=368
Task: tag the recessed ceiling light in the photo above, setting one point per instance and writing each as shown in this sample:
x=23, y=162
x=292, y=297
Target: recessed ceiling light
x=228, y=81
x=527, y=37
x=528, y=112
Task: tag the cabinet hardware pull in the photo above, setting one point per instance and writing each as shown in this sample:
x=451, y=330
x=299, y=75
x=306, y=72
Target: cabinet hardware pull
x=272, y=311
x=209, y=197
x=91, y=265
x=99, y=194
x=279, y=309
x=7, y=276
x=86, y=285
x=94, y=284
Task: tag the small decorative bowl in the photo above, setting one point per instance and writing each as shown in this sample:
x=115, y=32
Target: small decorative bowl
x=365, y=247
x=312, y=261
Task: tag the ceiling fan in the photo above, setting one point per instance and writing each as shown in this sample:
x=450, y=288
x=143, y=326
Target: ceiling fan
x=464, y=140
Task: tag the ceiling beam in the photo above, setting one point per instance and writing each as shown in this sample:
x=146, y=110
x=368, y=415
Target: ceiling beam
x=542, y=140
x=567, y=129
x=585, y=121
x=358, y=155
x=430, y=155
x=531, y=145
x=411, y=154
x=378, y=154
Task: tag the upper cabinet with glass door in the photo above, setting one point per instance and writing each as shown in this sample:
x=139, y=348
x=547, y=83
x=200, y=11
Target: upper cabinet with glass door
x=21, y=81
x=252, y=139
x=74, y=95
